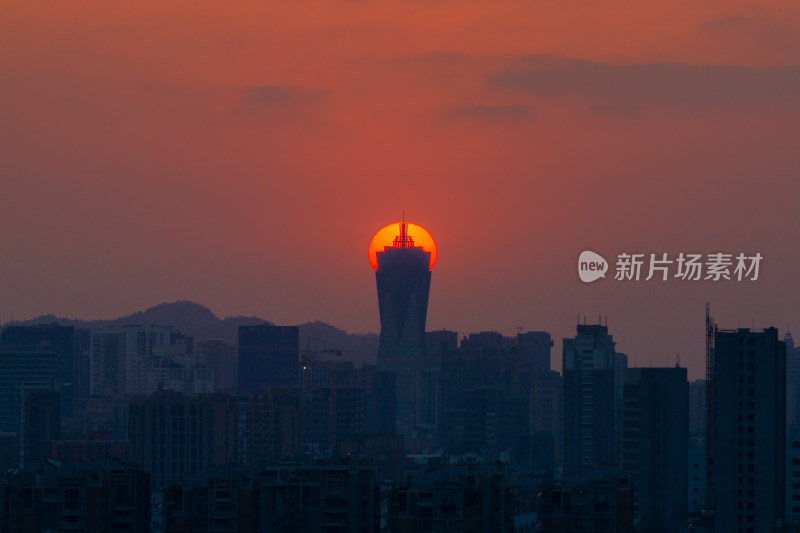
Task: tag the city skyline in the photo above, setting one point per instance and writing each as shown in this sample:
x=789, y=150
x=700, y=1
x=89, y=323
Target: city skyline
x=242, y=155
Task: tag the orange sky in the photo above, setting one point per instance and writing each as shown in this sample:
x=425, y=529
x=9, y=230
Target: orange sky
x=241, y=155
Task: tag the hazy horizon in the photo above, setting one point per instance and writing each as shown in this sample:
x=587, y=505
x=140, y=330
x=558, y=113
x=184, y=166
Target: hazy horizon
x=243, y=155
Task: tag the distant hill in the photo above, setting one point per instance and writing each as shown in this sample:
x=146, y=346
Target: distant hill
x=356, y=347
x=195, y=320
x=191, y=319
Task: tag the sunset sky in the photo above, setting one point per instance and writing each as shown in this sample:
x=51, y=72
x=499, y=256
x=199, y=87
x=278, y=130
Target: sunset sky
x=242, y=154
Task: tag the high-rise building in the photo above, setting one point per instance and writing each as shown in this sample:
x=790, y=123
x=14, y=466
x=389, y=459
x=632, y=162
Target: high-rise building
x=221, y=358
x=273, y=427
x=546, y=409
x=21, y=372
x=403, y=276
x=41, y=423
x=589, y=399
x=793, y=475
x=655, y=443
x=121, y=356
x=173, y=435
x=534, y=350
x=792, y=381
x=698, y=407
x=268, y=357
x=48, y=338
x=749, y=430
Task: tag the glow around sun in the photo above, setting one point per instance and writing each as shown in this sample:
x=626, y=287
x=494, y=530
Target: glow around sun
x=385, y=237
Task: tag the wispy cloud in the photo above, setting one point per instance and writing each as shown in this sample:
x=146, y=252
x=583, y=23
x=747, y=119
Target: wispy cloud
x=634, y=84
x=493, y=112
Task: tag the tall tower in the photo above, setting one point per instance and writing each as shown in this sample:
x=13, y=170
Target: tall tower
x=403, y=255
x=654, y=444
x=588, y=363
x=748, y=413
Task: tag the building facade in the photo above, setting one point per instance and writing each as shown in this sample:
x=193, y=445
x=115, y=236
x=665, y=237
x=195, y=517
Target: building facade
x=173, y=436
x=589, y=399
x=654, y=445
x=749, y=424
x=268, y=357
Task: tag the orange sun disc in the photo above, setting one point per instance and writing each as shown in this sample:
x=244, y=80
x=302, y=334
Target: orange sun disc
x=385, y=237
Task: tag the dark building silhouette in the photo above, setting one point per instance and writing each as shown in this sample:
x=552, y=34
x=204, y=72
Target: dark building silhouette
x=101, y=413
x=403, y=279
x=655, y=443
x=123, y=356
x=793, y=475
x=41, y=423
x=598, y=500
x=173, y=435
x=220, y=500
x=748, y=410
x=21, y=372
x=439, y=343
x=107, y=495
x=273, y=427
x=317, y=498
x=380, y=390
x=589, y=399
x=221, y=358
x=458, y=498
x=385, y=452
x=329, y=412
x=534, y=349
x=268, y=357
x=547, y=407
x=99, y=444
x=48, y=338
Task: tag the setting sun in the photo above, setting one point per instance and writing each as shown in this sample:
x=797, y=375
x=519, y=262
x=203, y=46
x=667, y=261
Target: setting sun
x=385, y=237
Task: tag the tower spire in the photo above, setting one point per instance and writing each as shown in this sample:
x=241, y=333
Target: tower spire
x=403, y=229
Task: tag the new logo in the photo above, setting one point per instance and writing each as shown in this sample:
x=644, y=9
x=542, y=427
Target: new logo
x=591, y=266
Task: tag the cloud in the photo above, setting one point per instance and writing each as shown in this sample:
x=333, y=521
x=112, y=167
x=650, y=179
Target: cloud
x=492, y=112
x=778, y=33
x=635, y=84
x=733, y=22
x=271, y=94
x=282, y=102
x=617, y=110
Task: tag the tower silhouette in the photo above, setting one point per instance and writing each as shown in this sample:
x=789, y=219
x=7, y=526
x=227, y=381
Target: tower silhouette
x=403, y=278
x=404, y=281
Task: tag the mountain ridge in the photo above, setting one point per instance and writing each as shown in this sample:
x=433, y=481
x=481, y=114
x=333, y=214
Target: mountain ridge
x=196, y=320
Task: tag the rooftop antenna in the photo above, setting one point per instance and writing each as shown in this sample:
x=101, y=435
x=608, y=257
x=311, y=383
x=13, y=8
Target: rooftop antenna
x=677, y=360
x=403, y=240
